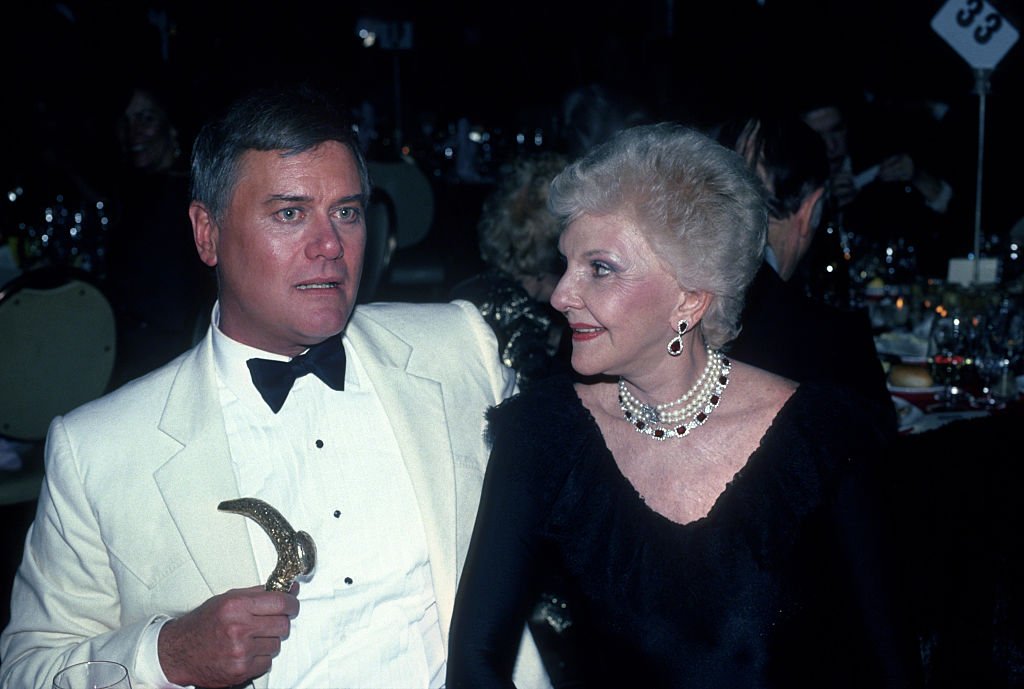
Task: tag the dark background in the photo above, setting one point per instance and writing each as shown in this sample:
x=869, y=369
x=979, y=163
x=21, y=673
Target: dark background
x=504, y=67
x=490, y=57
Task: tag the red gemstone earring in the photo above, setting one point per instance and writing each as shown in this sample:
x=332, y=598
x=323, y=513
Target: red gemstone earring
x=675, y=345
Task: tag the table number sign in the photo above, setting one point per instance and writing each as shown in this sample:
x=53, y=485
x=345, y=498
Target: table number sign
x=982, y=36
x=976, y=30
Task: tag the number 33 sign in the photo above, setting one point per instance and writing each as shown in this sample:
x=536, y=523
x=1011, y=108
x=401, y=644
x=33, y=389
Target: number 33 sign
x=976, y=30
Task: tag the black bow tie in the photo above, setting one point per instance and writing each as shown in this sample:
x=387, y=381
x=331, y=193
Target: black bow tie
x=274, y=379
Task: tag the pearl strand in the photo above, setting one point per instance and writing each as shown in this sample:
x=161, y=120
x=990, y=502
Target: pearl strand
x=706, y=393
x=700, y=392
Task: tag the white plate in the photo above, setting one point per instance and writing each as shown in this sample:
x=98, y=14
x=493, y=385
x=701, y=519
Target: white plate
x=907, y=413
x=907, y=346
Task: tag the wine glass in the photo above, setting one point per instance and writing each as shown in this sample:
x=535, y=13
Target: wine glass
x=999, y=356
x=93, y=674
x=947, y=344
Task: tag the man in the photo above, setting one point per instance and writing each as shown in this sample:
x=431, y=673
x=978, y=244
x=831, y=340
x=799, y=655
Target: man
x=129, y=558
x=881, y=193
x=784, y=330
x=830, y=123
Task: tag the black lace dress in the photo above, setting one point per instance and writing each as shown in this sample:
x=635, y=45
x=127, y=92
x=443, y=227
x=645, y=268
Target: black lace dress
x=779, y=585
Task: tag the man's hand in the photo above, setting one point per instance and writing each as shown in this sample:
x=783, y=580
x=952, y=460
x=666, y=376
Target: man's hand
x=229, y=639
x=843, y=189
x=897, y=168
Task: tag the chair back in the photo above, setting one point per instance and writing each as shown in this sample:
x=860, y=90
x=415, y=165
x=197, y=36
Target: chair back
x=57, y=348
x=381, y=242
x=412, y=195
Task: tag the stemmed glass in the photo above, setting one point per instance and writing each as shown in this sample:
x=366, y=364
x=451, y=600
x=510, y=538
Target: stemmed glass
x=998, y=357
x=93, y=674
x=947, y=352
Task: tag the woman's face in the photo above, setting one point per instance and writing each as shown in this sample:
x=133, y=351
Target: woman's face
x=619, y=298
x=146, y=135
x=540, y=287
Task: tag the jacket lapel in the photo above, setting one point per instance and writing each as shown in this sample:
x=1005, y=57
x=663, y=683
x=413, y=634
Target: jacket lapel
x=196, y=479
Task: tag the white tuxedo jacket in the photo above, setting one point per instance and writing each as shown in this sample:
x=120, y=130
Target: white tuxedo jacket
x=127, y=527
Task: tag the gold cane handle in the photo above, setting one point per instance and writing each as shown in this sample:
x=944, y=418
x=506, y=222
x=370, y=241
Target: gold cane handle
x=296, y=551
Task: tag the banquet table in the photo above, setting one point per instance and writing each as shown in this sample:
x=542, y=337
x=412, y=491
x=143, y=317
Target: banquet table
x=953, y=509
x=950, y=487
x=907, y=320
x=918, y=412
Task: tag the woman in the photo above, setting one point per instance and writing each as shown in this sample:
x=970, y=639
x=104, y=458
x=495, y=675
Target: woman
x=518, y=238
x=161, y=291
x=702, y=507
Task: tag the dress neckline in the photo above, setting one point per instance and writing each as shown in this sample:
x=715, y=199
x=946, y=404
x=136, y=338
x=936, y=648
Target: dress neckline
x=753, y=462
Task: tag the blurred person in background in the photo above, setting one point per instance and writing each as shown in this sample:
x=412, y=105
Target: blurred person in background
x=518, y=240
x=884, y=190
x=160, y=290
x=784, y=330
x=592, y=113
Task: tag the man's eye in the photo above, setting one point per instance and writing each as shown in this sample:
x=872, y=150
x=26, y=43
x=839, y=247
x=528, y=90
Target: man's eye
x=348, y=214
x=289, y=214
x=600, y=269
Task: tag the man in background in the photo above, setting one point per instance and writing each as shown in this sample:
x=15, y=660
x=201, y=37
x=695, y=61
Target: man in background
x=784, y=330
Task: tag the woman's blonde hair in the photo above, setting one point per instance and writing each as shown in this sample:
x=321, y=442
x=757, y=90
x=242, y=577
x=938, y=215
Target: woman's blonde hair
x=517, y=231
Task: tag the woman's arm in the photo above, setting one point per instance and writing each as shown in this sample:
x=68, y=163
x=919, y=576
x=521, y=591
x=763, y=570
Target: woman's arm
x=499, y=580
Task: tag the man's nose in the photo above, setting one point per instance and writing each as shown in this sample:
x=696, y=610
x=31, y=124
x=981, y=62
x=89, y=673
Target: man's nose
x=326, y=241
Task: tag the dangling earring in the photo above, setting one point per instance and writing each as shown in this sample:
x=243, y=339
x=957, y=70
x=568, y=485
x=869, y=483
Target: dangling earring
x=675, y=345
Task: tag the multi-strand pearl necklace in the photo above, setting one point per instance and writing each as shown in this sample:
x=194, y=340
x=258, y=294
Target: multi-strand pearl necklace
x=667, y=420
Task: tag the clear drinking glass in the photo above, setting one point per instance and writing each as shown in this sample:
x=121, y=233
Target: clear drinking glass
x=1000, y=356
x=93, y=674
x=947, y=344
x=999, y=385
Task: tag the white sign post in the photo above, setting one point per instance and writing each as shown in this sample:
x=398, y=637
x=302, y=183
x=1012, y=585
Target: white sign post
x=982, y=37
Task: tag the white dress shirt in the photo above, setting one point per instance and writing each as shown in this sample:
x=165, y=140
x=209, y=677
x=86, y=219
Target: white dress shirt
x=329, y=462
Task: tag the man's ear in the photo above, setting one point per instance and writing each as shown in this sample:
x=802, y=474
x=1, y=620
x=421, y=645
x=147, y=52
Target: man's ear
x=810, y=212
x=205, y=232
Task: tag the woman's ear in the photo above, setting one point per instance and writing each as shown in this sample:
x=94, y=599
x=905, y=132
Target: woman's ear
x=205, y=232
x=691, y=308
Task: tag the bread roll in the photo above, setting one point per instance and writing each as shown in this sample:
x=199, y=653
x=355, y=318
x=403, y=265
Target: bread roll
x=907, y=376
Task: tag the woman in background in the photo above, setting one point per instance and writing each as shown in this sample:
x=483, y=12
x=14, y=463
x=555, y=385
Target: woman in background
x=518, y=237
x=160, y=290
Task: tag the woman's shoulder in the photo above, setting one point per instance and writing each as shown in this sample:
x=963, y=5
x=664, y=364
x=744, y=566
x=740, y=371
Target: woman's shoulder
x=824, y=406
x=816, y=442
x=540, y=432
x=755, y=395
x=811, y=428
x=548, y=403
x=830, y=422
x=548, y=414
